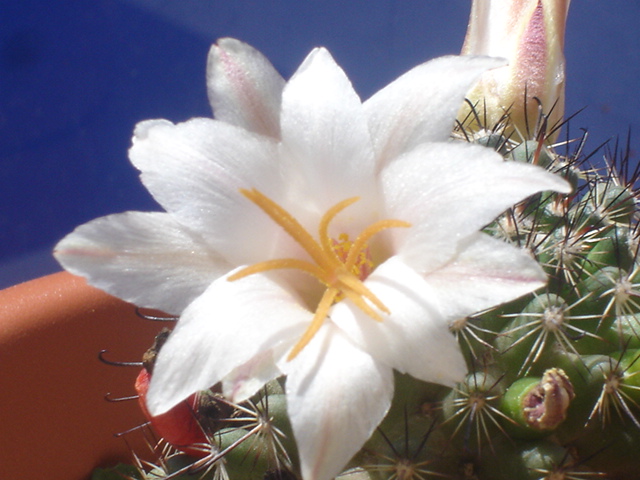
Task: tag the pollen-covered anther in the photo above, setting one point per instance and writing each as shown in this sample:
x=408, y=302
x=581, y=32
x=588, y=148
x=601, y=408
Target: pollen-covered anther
x=340, y=265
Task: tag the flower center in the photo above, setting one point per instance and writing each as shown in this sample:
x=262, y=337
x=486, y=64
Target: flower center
x=340, y=265
x=363, y=265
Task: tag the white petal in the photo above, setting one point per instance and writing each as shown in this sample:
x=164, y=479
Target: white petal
x=244, y=88
x=144, y=258
x=325, y=135
x=448, y=191
x=227, y=326
x=196, y=170
x=248, y=378
x=492, y=27
x=414, y=338
x=422, y=104
x=487, y=272
x=336, y=397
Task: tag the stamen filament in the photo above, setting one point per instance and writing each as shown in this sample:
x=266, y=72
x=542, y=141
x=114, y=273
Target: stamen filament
x=318, y=319
x=323, y=228
x=356, y=285
x=361, y=304
x=289, y=224
x=289, y=263
x=366, y=234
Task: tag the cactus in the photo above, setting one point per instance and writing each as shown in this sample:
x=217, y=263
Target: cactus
x=554, y=385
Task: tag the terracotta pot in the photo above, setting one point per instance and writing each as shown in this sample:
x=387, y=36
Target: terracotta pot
x=55, y=421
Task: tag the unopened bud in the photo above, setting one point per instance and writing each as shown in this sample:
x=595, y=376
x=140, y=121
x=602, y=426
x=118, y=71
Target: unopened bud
x=530, y=35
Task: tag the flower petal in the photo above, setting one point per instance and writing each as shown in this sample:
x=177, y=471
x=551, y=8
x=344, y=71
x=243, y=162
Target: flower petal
x=487, y=272
x=325, y=135
x=227, y=326
x=422, y=104
x=414, y=338
x=450, y=191
x=245, y=380
x=145, y=258
x=244, y=88
x=196, y=169
x=336, y=397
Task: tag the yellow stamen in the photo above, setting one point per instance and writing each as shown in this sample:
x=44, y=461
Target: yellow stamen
x=321, y=313
x=355, y=285
x=340, y=266
x=288, y=223
x=366, y=234
x=267, y=265
x=323, y=228
x=362, y=305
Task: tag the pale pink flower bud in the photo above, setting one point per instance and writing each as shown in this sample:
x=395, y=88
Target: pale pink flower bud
x=530, y=35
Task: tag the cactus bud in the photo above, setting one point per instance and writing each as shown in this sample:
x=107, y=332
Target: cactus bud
x=530, y=35
x=538, y=405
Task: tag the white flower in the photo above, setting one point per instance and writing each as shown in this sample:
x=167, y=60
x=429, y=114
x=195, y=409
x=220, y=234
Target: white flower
x=310, y=234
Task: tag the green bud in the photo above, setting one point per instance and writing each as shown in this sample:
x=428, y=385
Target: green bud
x=612, y=203
x=611, y=250
x=254, y=450
x=630, y=367
x=537, y=405
x=415, y=403
x=544, y=456
x=471, y=410
x=524, y=460
x=585, y=394
x=247, y=456
x=532, y=151
x=275, y=421
x=624, y=331
x=599, y=367
x=532, y=336
x=171, y=465
x=601, y=288
x=612, y=449
x=496, y=141
x=412, y=397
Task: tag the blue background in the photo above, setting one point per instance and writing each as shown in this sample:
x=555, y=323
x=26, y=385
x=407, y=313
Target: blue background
x=77, y=75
